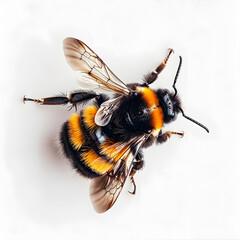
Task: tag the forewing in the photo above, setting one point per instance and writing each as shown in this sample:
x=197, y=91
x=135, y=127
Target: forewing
x=93, y=70
x=105, y=190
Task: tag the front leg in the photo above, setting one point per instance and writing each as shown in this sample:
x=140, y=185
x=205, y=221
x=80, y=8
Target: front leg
x=151, y=77
x=163, y=137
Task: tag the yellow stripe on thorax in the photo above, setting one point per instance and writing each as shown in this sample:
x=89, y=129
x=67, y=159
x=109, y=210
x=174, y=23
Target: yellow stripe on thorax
x=76, y=136
x=95, y=162
x=151, y=99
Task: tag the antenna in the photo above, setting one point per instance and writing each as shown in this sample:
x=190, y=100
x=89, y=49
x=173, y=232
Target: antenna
x=176, y=76
x=196, y=122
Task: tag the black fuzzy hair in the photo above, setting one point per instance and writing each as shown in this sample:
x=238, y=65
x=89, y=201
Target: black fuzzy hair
x=73, y=155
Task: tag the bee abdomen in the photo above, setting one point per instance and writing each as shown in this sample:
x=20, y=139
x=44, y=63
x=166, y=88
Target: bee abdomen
x=73, y=155
x=80, y=144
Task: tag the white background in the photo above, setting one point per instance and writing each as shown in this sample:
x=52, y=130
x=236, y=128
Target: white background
x=190, y=187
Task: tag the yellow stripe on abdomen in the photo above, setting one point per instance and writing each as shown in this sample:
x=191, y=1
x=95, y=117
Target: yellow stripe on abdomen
x=76, y=136
x=95, y=162
x=89, y=115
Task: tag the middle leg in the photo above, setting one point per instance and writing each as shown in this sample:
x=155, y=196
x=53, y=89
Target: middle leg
x=165, y=136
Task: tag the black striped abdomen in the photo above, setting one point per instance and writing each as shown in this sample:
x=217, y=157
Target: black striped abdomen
x=80, y=144
x=73, y=154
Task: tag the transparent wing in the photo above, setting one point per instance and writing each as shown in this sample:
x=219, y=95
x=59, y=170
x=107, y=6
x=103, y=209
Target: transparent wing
x=105, y=190
x=92, y=70
x=104, y=113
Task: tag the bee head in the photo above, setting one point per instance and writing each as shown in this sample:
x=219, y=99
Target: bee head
x=170, y=104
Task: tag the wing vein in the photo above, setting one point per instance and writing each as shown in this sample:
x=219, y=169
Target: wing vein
x=81, y=58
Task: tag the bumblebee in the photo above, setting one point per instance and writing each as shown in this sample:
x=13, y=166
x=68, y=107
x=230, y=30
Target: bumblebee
x=104, y=140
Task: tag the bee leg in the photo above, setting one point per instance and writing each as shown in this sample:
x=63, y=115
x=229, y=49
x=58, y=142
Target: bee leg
x=101, y=98
x=48, y=101
x=136, y=166
x=81, y=97
x=151, y=77
x=165, y=136
x=134, y=184
x=74, y=99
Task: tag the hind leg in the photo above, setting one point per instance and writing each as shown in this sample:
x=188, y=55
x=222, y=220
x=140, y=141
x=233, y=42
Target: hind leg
x=74, y=99
x=137, y=165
